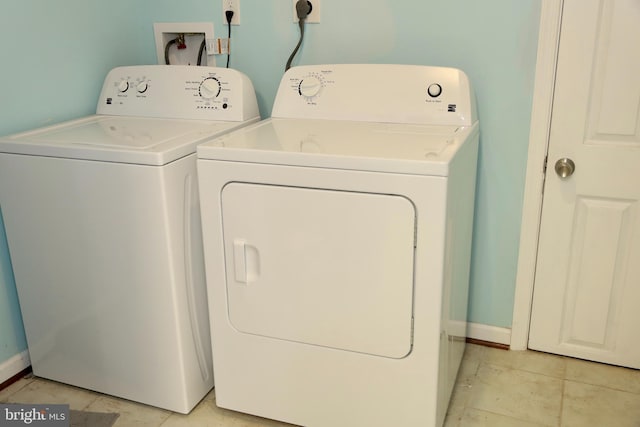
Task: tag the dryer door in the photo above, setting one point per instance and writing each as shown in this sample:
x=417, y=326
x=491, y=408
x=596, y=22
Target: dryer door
x=322, y=267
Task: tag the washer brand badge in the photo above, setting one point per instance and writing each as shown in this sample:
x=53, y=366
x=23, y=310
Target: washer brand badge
x=34, y=415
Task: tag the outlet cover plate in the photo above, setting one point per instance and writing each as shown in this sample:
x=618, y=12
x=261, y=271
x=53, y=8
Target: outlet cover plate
x=231, y=5
x=313, y=17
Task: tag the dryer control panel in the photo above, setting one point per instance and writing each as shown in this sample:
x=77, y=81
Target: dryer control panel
x=377, y=93
x=178, y=92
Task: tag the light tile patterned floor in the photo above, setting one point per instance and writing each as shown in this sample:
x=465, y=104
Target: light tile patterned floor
x=495, y=388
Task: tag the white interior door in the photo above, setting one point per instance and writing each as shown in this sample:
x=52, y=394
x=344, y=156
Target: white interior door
x=587, y=286
x=320, y=267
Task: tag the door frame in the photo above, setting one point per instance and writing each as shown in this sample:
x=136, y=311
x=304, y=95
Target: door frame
x=548, y=42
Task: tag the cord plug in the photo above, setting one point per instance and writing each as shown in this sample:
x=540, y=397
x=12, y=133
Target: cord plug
x=303, y=9
x=229, y=15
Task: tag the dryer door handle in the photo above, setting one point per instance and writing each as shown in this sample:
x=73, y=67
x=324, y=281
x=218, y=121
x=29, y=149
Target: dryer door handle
x=246, y=261
x=240, y=260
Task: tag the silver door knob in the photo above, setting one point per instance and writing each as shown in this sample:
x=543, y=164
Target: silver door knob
x=565, y=167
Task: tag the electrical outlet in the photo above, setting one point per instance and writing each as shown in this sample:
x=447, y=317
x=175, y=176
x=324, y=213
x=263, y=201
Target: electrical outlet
x=233, y=5
x=314, y=15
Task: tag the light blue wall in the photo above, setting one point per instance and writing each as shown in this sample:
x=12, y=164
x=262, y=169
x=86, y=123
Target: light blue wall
x=56, y=53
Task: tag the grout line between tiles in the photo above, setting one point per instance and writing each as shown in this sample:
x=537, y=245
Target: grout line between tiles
x=564, y=384
x=621, y=390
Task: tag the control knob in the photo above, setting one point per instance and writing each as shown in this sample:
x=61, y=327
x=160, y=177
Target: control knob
x=310, y=86
x=210, y=88
x=142, y=87
x=123, y=86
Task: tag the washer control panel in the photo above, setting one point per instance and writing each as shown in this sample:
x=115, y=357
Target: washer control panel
x=175, y=91
x=377, y=92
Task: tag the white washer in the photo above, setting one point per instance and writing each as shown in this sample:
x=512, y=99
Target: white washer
x=337, y=240
x=103, y=224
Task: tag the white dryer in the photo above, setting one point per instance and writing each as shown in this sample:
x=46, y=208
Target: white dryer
x=103, y=224
x=337, y=240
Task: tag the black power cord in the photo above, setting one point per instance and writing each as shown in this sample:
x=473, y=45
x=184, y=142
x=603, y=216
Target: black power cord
x=303, y=8
x=229, y=15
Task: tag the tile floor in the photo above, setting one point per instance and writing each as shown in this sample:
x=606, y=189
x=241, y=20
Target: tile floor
x=495, y=388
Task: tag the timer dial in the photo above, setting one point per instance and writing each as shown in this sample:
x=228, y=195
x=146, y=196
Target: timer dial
x=210, y=88
x=310, y=86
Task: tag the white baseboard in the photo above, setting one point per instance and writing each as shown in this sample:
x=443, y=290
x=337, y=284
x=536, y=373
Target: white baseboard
x=15, y=365
x=489, y=333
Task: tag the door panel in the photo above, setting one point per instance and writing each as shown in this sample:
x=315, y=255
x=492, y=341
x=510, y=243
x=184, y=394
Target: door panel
x=614, y=96
x=587, y=276
x=322, y=267
x=596, y=273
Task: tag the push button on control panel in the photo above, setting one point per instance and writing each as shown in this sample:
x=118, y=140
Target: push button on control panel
x=434, y=90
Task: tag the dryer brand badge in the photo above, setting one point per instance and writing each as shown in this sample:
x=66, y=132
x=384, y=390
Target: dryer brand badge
x=451, y=108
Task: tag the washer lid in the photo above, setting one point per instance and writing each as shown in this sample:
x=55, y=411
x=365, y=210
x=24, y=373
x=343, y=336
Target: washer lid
x=137, y=140
x=378, y=147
